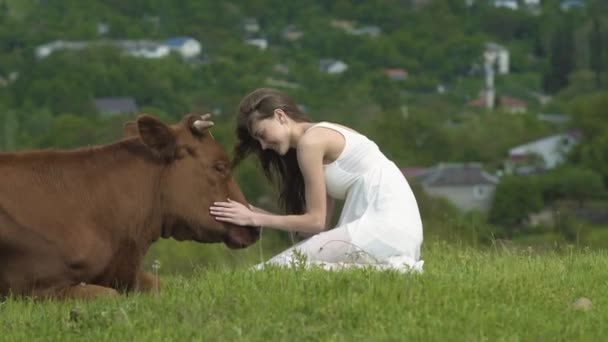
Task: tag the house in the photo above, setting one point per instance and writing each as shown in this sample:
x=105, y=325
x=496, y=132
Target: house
x=370, y=30
x=281, y=69
x=291, y=33
x=533, y=6
x=45, y=50
x=260, y=43
x=509, y=104
x=109, y=106
x=396, y=74
x=510, y=4
x=153, y=20
x=556, y=119
x=251, y=25
x=344, y=25
x=542, y=154
x=332, y=66
x=187, y=47
x=143, y=48
x=513, y=105
x=567, y=5
x=9, y=78
x=478, y=102
x=466, y=185
x=137, y=48
x=102, y=29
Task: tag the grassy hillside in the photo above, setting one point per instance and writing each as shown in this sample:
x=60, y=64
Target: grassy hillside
x=464, y=295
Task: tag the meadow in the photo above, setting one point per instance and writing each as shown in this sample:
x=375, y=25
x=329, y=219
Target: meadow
x=465, y=294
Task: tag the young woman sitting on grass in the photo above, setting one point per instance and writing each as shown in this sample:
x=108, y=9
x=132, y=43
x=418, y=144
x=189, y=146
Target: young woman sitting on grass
x=312, y=164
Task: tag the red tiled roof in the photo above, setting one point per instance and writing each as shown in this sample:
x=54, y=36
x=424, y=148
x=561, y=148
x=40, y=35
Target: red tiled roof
x=508, y=101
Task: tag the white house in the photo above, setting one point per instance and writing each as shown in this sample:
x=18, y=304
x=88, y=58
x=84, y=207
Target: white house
x=466, y=185
x=291, y=33
x=510, y=4
x=251, y=25
x=332, y=66
x=549, y=152
x=187, y=47
x=261, y=43
x=567, y=5
x=556, y=119
x=45, y=50
x=370, y=30
x=143, y=48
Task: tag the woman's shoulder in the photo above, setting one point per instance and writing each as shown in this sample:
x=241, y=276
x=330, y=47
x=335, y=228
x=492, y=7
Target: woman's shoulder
x=316, y=138
x=332, y=126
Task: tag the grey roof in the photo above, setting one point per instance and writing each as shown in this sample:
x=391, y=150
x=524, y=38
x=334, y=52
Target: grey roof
x=456, y=174
x=554, y=118
x=116, y=105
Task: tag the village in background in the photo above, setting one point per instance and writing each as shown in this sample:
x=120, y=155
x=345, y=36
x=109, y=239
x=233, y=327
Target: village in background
x=495, y=110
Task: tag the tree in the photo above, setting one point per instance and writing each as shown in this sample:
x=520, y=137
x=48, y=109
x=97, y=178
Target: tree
x=561, y=60
x=591, y=120
x=596, y=44
x=10, y=128
x=571, y=182
x=515, y=198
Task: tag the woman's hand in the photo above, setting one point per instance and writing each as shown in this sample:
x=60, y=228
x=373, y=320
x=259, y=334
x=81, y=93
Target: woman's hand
x=233, y=212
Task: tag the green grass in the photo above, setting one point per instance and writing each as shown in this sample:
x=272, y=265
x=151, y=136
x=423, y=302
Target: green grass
x=465, y=294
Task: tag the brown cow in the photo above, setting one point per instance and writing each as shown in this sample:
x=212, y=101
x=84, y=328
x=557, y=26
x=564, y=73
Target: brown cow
x=77, y=224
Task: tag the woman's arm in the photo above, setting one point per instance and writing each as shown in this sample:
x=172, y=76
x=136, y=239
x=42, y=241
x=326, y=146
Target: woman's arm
x=310, y=153
x=259, y=210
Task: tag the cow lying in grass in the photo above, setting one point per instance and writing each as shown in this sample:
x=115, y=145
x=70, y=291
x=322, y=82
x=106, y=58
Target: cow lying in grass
x=77, y=224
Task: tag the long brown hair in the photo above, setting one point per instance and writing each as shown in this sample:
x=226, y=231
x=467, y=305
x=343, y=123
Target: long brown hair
x=283, y=171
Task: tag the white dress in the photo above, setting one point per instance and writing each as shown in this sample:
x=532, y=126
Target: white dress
x=380, y=222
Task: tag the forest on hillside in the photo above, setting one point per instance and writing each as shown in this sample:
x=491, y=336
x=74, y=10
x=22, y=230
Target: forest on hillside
x=558, y=65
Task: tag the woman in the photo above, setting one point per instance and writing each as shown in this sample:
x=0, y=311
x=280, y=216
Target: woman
x=312, y=164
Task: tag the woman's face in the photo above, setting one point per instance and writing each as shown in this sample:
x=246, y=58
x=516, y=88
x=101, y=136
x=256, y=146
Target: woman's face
x=272, y=133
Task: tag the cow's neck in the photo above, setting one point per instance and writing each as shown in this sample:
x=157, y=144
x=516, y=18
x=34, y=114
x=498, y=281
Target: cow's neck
x=129, y=175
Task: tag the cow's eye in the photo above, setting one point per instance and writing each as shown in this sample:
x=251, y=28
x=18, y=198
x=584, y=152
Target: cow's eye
x=222, y=168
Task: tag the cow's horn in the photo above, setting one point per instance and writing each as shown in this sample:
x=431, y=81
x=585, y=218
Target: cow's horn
x=204, y=123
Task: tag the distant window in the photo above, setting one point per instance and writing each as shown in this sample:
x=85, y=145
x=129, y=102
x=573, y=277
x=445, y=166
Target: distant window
x=480, y=192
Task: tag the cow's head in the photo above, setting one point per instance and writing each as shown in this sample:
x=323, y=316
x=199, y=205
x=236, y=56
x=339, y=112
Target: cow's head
x=196, y=173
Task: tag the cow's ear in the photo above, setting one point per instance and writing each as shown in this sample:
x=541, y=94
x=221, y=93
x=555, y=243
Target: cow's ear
x=157, y=136
x=130, y=129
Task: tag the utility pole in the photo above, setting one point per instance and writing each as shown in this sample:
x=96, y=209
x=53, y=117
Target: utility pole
x=490, y=93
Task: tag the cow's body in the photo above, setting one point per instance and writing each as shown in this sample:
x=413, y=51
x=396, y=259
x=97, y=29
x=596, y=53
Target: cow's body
x=78, y=223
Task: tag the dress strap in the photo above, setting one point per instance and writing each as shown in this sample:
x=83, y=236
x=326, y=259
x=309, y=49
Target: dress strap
x=332, y=126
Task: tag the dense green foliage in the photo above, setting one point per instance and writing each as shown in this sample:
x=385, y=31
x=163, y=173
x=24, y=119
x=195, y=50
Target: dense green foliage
x=48, y=102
